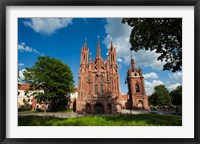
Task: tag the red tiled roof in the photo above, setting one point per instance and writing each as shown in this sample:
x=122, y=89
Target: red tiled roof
x=27, y=86
x=24, y=86
x=124, y=97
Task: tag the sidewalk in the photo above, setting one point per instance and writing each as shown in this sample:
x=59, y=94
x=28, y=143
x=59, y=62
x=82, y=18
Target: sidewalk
x=53, y=114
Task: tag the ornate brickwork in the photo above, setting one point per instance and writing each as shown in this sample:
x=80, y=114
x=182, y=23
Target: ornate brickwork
x=136, y=90
x=98, y=83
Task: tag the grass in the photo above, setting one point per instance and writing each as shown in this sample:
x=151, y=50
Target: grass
x=115, y=120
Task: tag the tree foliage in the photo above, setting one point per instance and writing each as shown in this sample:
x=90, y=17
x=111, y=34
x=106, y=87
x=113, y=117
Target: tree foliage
x=53, y=76
x=177, y=95
x=160, y=96
x=164, y=35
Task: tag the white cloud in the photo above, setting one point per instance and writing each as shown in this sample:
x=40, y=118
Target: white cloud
x=47, y=26
x=20, y=64
x=24, y=48
x=151, y=75
x=120, y=60
x=148, y=58
x=176, y=75
x=149, y=86
x=120, y=34
x=173, y=86
x=21, y=76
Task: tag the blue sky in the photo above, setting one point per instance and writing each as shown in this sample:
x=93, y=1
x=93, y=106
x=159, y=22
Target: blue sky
x=62, y=38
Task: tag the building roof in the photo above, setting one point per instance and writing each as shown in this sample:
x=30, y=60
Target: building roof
x=27, y=86
x=124, y=97
x=75, y=89
x=24, y=86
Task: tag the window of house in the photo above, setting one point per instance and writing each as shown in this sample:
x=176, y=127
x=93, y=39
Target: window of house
x=28, y=100
x=23, y=100
x=18, y=93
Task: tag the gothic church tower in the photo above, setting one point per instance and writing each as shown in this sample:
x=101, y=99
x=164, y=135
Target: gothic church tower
x=136, y=90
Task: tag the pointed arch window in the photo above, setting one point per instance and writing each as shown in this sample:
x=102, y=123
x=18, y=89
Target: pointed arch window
x=101, y=89
x=84, y=57
x=137, y=87
x=108, y=76
x=96, y=78
x=96, y=89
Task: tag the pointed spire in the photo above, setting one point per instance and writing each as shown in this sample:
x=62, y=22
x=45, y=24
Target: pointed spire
x=98, y=40
x=90, y=58
x=85, y=44
x=111, y=46
x=132, y=63
x=132, y=60
x=98, y=48
x=107, y=57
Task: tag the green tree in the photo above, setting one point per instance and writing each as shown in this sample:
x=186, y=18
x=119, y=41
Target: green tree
x=177, y=95
x=161, y=34
x=54, y=77
x=151, y=100
x=160, y=96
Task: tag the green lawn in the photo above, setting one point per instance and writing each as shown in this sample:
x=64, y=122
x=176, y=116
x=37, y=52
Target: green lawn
x=115, y=120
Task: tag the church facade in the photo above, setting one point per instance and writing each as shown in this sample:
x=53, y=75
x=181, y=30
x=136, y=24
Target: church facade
x=98, y=83
x=136, y=90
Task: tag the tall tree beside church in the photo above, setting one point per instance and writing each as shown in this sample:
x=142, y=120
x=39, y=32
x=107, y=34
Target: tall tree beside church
x=164, y=35
x=177, y=95
x=160, y=96
x=54, y=77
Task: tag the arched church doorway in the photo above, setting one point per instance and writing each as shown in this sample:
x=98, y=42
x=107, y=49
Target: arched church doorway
x=98, y=108
x=140, y=104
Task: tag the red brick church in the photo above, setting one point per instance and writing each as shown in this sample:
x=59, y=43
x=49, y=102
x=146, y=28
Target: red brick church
x=99, y=84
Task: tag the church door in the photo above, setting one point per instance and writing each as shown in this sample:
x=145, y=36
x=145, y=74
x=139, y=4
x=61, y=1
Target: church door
x=98, y=108
x=140, y=104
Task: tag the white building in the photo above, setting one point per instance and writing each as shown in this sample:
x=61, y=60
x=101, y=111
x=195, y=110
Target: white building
x=73, y=97
x=25, y=97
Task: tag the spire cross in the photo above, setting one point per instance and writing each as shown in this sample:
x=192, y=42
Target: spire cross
x=85, y=39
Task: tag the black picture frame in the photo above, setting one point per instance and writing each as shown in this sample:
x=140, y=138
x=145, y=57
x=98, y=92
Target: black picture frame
x=5, y=3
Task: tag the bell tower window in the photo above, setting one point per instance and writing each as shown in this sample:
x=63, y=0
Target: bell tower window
x=137, y=88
